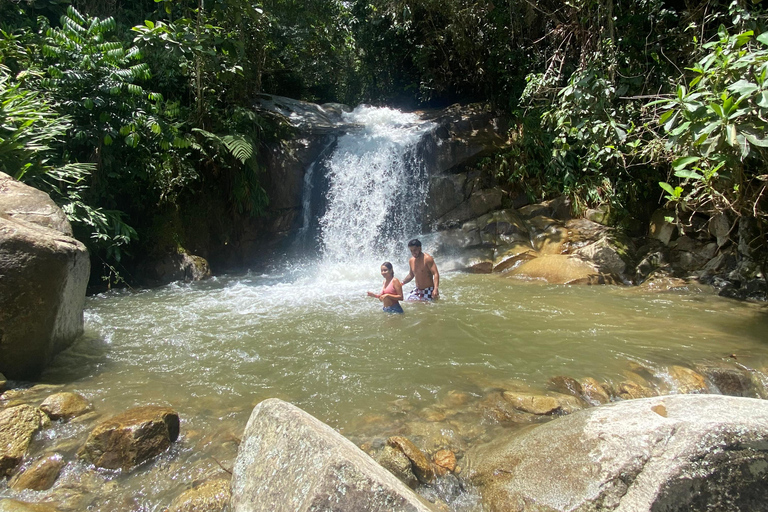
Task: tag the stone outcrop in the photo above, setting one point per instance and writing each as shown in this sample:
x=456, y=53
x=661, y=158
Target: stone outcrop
x=176, y=266
x=17, y=426
x=131, y=438
x=680, y=452
x=44, y=273
x=290, y=461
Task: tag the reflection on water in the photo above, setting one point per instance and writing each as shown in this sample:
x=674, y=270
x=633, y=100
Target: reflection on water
x=212, y=350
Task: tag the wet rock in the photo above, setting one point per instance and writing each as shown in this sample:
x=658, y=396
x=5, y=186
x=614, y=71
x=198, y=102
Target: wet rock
x=17, y=426
x=514, y=258
x=131, y=438
x=566, y=385
x=445, y=459
x=662, y=282
x=175, y=266
x=681, y=452
x=555, y=269
x=65, y=406
x=687, y=381
x=431, y=414
x=210, y=496
x=41, y=475
x=497, y=408
x=422, y=468
x=395, y=461
x=290, y=461
x=730, y=381
x=22, y=506
x=593, y=392
x=455, y=399
x=531, y=403
x=631, y=390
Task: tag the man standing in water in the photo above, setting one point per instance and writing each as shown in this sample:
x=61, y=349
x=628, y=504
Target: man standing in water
x=424, y=269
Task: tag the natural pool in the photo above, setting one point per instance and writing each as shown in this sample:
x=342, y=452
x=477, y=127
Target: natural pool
x=214, y=349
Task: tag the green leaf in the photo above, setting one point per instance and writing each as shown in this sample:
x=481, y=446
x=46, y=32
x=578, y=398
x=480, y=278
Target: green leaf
x=667, y=188
x=743, y=87
x=763, y=38
x=683, y=162
x=688, y=174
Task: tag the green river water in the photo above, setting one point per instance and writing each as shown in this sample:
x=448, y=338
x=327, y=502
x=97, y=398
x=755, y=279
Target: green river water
x=214, y=349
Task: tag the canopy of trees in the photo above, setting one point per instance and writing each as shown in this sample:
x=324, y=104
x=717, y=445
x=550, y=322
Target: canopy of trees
x=119, y=108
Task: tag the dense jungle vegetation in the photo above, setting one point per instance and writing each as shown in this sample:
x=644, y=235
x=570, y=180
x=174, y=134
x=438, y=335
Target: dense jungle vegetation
x=125, y=111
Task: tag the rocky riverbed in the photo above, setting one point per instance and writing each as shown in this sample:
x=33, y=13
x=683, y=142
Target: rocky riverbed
x=440, y=450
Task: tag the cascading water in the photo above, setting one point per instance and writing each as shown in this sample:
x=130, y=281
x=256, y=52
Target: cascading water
x=377, y=187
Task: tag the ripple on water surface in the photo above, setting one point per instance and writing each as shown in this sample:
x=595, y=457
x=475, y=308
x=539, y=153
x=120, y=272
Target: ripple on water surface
x=213, y=350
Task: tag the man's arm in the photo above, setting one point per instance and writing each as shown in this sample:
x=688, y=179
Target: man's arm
x=409, y=277
x=435, y=277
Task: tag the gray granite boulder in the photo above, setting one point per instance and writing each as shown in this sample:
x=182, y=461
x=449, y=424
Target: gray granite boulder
x=44, y=277
x=670, y=453
x=290, y=461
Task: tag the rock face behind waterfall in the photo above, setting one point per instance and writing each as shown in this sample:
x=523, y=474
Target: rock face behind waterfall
x=290, y=461
x=672, y=453
x=43, y=276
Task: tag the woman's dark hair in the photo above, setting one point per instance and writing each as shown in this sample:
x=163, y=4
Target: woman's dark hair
x=414, y=243
x=388, y=265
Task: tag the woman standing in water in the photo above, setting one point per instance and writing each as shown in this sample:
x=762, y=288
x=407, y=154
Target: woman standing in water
x=392, y=291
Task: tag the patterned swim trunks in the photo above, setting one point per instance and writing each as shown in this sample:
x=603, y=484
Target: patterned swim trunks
x=394, y=308
x=421, y=294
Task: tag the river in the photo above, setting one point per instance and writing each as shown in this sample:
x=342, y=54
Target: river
x=307, y=333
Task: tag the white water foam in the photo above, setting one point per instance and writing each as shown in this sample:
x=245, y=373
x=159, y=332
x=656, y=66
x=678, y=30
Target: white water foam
x=377, y=188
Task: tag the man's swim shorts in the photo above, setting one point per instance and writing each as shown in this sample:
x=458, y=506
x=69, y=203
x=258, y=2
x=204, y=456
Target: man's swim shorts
x=421, y=294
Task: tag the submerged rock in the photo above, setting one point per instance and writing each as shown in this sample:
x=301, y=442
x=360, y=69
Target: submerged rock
x=445, y=459
x=17, y=426
x=22, y=506
x=41, y=475
x=593, y=392
x=395, y=461
x=291, y=461
x=730, y=381
x=422, y=467
x=65, y=406
x=131, y=438
x=681, y=452
x=210, y=496
x=531, y=403
x=687, y=381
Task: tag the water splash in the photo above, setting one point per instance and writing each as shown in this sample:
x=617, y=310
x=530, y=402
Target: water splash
x=377, y=187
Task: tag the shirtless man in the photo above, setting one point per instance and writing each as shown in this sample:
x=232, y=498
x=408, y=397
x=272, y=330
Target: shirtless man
x=424, y=269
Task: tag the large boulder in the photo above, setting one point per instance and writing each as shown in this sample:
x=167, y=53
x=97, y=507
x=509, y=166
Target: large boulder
x=291, y=461
x=44, y=273
x=671, y=453
x=131, y=438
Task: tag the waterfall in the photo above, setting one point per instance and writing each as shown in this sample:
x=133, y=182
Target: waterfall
x=377, y=186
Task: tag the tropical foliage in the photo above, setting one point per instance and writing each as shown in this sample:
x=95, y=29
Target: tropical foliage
x=125, y=111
